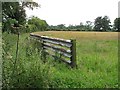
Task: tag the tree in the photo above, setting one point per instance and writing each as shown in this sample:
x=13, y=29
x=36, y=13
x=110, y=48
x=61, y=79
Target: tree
x=117, y=24
x=81, y=26
x=77, y=27
x=31, y=5
x=106, y=23
x=102, y=24
x=98, y=24
x=15, y=11
x=61, y=26
x=36, y=24
x=88, y=25
x=70, y=27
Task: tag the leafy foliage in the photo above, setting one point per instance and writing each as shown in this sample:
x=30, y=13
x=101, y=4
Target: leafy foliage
x=36, y=24
x=15, y=11
x=102, y=24
x=30, y=5
x=117, y=24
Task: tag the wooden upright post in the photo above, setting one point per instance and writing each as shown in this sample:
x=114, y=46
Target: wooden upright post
x=73, y=52
x=43, y=51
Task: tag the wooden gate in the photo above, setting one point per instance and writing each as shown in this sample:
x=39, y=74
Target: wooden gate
x=65, y=48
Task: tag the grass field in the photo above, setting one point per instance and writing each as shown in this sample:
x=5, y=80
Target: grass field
x=97, y=61
x=97, y=57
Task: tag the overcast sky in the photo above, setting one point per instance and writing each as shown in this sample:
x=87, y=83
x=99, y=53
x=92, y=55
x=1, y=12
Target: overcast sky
x=74, y=11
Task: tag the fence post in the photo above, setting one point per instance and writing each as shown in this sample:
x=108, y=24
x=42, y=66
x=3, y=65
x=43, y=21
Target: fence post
x=43, y=52
x=73, y=52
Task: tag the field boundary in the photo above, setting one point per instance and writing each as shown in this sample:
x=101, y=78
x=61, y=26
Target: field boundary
x=52, y=46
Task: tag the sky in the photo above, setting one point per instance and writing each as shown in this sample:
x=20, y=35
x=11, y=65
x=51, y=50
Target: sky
x=74, y=11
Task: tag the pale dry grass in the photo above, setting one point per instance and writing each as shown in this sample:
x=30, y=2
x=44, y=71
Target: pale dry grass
x=81, y=35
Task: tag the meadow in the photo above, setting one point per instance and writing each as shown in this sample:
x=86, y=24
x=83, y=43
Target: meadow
x=97, y=62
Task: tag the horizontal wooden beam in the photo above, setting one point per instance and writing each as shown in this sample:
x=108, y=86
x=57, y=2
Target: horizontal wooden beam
x=58, y=43
x=61, y=59
x=64, y=54
x=56, y=48
x=52, y=39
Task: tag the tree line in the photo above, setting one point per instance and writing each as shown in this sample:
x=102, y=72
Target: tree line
x=14, y=15
x=101, y=24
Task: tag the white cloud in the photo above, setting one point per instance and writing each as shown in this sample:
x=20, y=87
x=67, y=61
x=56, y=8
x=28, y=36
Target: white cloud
x=74, y=11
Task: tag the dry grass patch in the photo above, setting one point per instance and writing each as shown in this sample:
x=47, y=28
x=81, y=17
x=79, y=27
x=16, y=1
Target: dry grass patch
x=81, y=35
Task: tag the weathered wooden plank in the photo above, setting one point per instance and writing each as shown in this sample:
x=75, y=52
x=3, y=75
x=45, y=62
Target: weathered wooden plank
x=58, y=43
x=56, y=39
x=56, y=48
x=31, y=34
x=34, y=37
x=50, y=38
x=61, y=59
x=64, y=54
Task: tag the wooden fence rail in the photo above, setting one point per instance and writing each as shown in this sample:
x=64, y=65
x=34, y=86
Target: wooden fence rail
x=65, y=48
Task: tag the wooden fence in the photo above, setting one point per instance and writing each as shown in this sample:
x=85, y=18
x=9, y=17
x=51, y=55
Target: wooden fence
x=65, y=49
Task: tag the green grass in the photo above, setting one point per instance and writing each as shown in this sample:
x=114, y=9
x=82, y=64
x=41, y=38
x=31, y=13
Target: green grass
x=97, y=61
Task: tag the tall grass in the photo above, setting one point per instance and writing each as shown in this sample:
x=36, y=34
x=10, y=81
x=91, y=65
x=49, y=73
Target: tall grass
x=96, y=60
x=29, y=71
